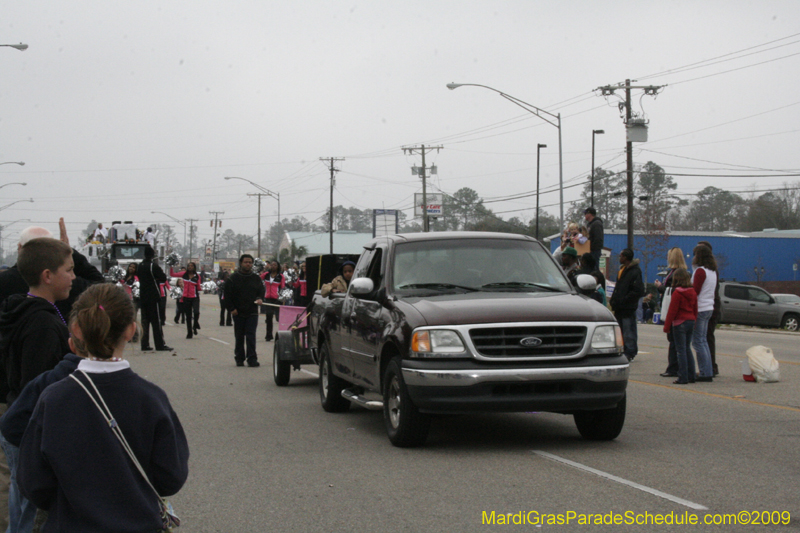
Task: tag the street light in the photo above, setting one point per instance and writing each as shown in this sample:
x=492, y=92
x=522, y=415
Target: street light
x=21, y=47
x=264, y=191
x=594, y=132
x=13, y=183
x=12, y=203
x=3, y=228
x=176, y=220
x=538, y=112
x=20, y=163
x=538, y=149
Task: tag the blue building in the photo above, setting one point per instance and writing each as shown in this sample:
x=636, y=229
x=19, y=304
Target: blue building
x=745, y=257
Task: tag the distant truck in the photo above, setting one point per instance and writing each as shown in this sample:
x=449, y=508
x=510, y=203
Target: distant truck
x=462, y=322
x=123, y=247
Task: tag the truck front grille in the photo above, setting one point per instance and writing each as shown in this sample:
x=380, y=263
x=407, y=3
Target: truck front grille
x=553, y=341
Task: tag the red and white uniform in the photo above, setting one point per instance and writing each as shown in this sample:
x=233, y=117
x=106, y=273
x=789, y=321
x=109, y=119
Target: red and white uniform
x=191, y=287
x=272, y=285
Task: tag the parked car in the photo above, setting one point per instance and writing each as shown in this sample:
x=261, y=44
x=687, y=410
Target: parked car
x=753, y=306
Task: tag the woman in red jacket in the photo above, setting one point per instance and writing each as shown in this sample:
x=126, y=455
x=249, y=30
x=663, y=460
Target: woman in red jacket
x=680, y=320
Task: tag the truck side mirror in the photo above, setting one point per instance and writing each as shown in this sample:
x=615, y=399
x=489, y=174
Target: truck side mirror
x=587, y=282
x=361, y=286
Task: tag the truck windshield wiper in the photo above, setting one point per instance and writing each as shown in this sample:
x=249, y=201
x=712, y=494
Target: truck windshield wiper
x=437, y=286
x=519, y=284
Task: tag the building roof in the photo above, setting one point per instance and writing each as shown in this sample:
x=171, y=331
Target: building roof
x=344, y=242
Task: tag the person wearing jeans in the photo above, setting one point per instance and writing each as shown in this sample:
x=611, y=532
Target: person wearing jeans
x=625, y=300
x=704, y=281
x=679, y=322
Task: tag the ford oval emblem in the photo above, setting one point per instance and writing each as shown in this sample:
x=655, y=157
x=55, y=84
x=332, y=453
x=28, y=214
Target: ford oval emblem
x=531, y=341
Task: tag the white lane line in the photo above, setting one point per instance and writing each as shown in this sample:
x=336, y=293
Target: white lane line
x=308, y=372
x=219, y=341
x=606, y=475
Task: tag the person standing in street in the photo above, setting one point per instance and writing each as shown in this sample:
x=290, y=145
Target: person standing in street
x=674, y=262
x=150, y=276
x=625, y=300
x=596, y=233
x=712, y=322
x=704, y=281
x=274, y=283
x=243, y=293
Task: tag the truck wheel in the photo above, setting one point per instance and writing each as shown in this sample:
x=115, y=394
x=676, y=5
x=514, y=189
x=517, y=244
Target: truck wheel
x=605, y=424
x=405, y=425
x=330, y=386
x=790, y=322
x=280, y=369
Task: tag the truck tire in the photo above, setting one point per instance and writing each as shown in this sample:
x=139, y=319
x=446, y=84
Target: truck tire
x=280, y=369
x=405, y=425
x=605, y=424
x=330, y=386
x=790, y=322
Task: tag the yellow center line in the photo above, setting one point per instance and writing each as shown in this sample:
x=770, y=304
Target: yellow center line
x=745, y=400
x=781, y=361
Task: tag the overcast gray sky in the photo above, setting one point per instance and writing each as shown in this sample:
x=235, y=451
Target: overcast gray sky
x=123, y=108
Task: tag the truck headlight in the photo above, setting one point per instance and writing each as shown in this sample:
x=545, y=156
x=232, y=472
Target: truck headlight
x=607, y=339
x=437, y=343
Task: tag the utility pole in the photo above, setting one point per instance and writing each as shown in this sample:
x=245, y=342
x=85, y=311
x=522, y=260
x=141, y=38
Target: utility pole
x=631, y=137
x=260, y=194
x=538, y=154
x=333, y=182
x=217, y=223
x=191, y=222
x=423, y=150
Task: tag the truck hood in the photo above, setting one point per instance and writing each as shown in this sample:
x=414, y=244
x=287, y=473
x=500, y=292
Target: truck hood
x=494, y=307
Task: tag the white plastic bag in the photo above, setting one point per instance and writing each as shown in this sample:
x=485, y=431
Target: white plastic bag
x=763, y=364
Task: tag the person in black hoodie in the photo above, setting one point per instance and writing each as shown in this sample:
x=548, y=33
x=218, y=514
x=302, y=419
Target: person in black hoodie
x=243, y=293
x=33, y=332
x=150, y=275
x=625, y=300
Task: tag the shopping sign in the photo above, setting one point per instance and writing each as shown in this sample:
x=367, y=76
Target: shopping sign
x=434, y=204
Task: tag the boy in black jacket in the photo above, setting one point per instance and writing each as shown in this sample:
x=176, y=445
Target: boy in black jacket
x=33, y=332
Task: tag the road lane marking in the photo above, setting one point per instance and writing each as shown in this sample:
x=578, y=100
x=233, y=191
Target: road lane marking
x=309, y=372
x=644, y=488
x=219, y=341
x=722, y=396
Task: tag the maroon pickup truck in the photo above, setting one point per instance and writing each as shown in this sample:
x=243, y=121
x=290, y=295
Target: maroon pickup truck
x=463, y=322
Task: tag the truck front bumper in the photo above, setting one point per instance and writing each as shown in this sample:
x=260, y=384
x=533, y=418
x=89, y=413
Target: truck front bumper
x=563, y=390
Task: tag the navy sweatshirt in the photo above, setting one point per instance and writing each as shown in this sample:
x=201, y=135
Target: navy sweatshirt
x=15, y=420
x=72, y=465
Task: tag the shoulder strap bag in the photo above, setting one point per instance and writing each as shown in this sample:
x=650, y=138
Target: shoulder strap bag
x=169, y=520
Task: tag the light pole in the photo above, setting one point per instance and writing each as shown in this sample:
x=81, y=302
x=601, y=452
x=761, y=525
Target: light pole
x=21, y=47
x=264, y=191
x=16, y=202
x=176, y=220
x=539, y=113
x=3, y=228
x=594, y=132
x=20, y=163
x=538, y=151
x=13, y=183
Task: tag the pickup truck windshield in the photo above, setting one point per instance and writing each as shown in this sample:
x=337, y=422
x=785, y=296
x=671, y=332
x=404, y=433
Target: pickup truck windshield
x=475, y=264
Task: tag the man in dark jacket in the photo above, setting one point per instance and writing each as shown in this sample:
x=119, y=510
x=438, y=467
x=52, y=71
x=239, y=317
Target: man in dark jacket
x=625, y=300
x=150, y=275
x=11, y=281
x=243, y=293
x=596, y=234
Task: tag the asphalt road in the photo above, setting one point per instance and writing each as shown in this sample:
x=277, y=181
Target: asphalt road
x=265, y=458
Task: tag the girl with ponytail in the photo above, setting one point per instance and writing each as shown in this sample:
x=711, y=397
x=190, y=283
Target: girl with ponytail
x=70, y=459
